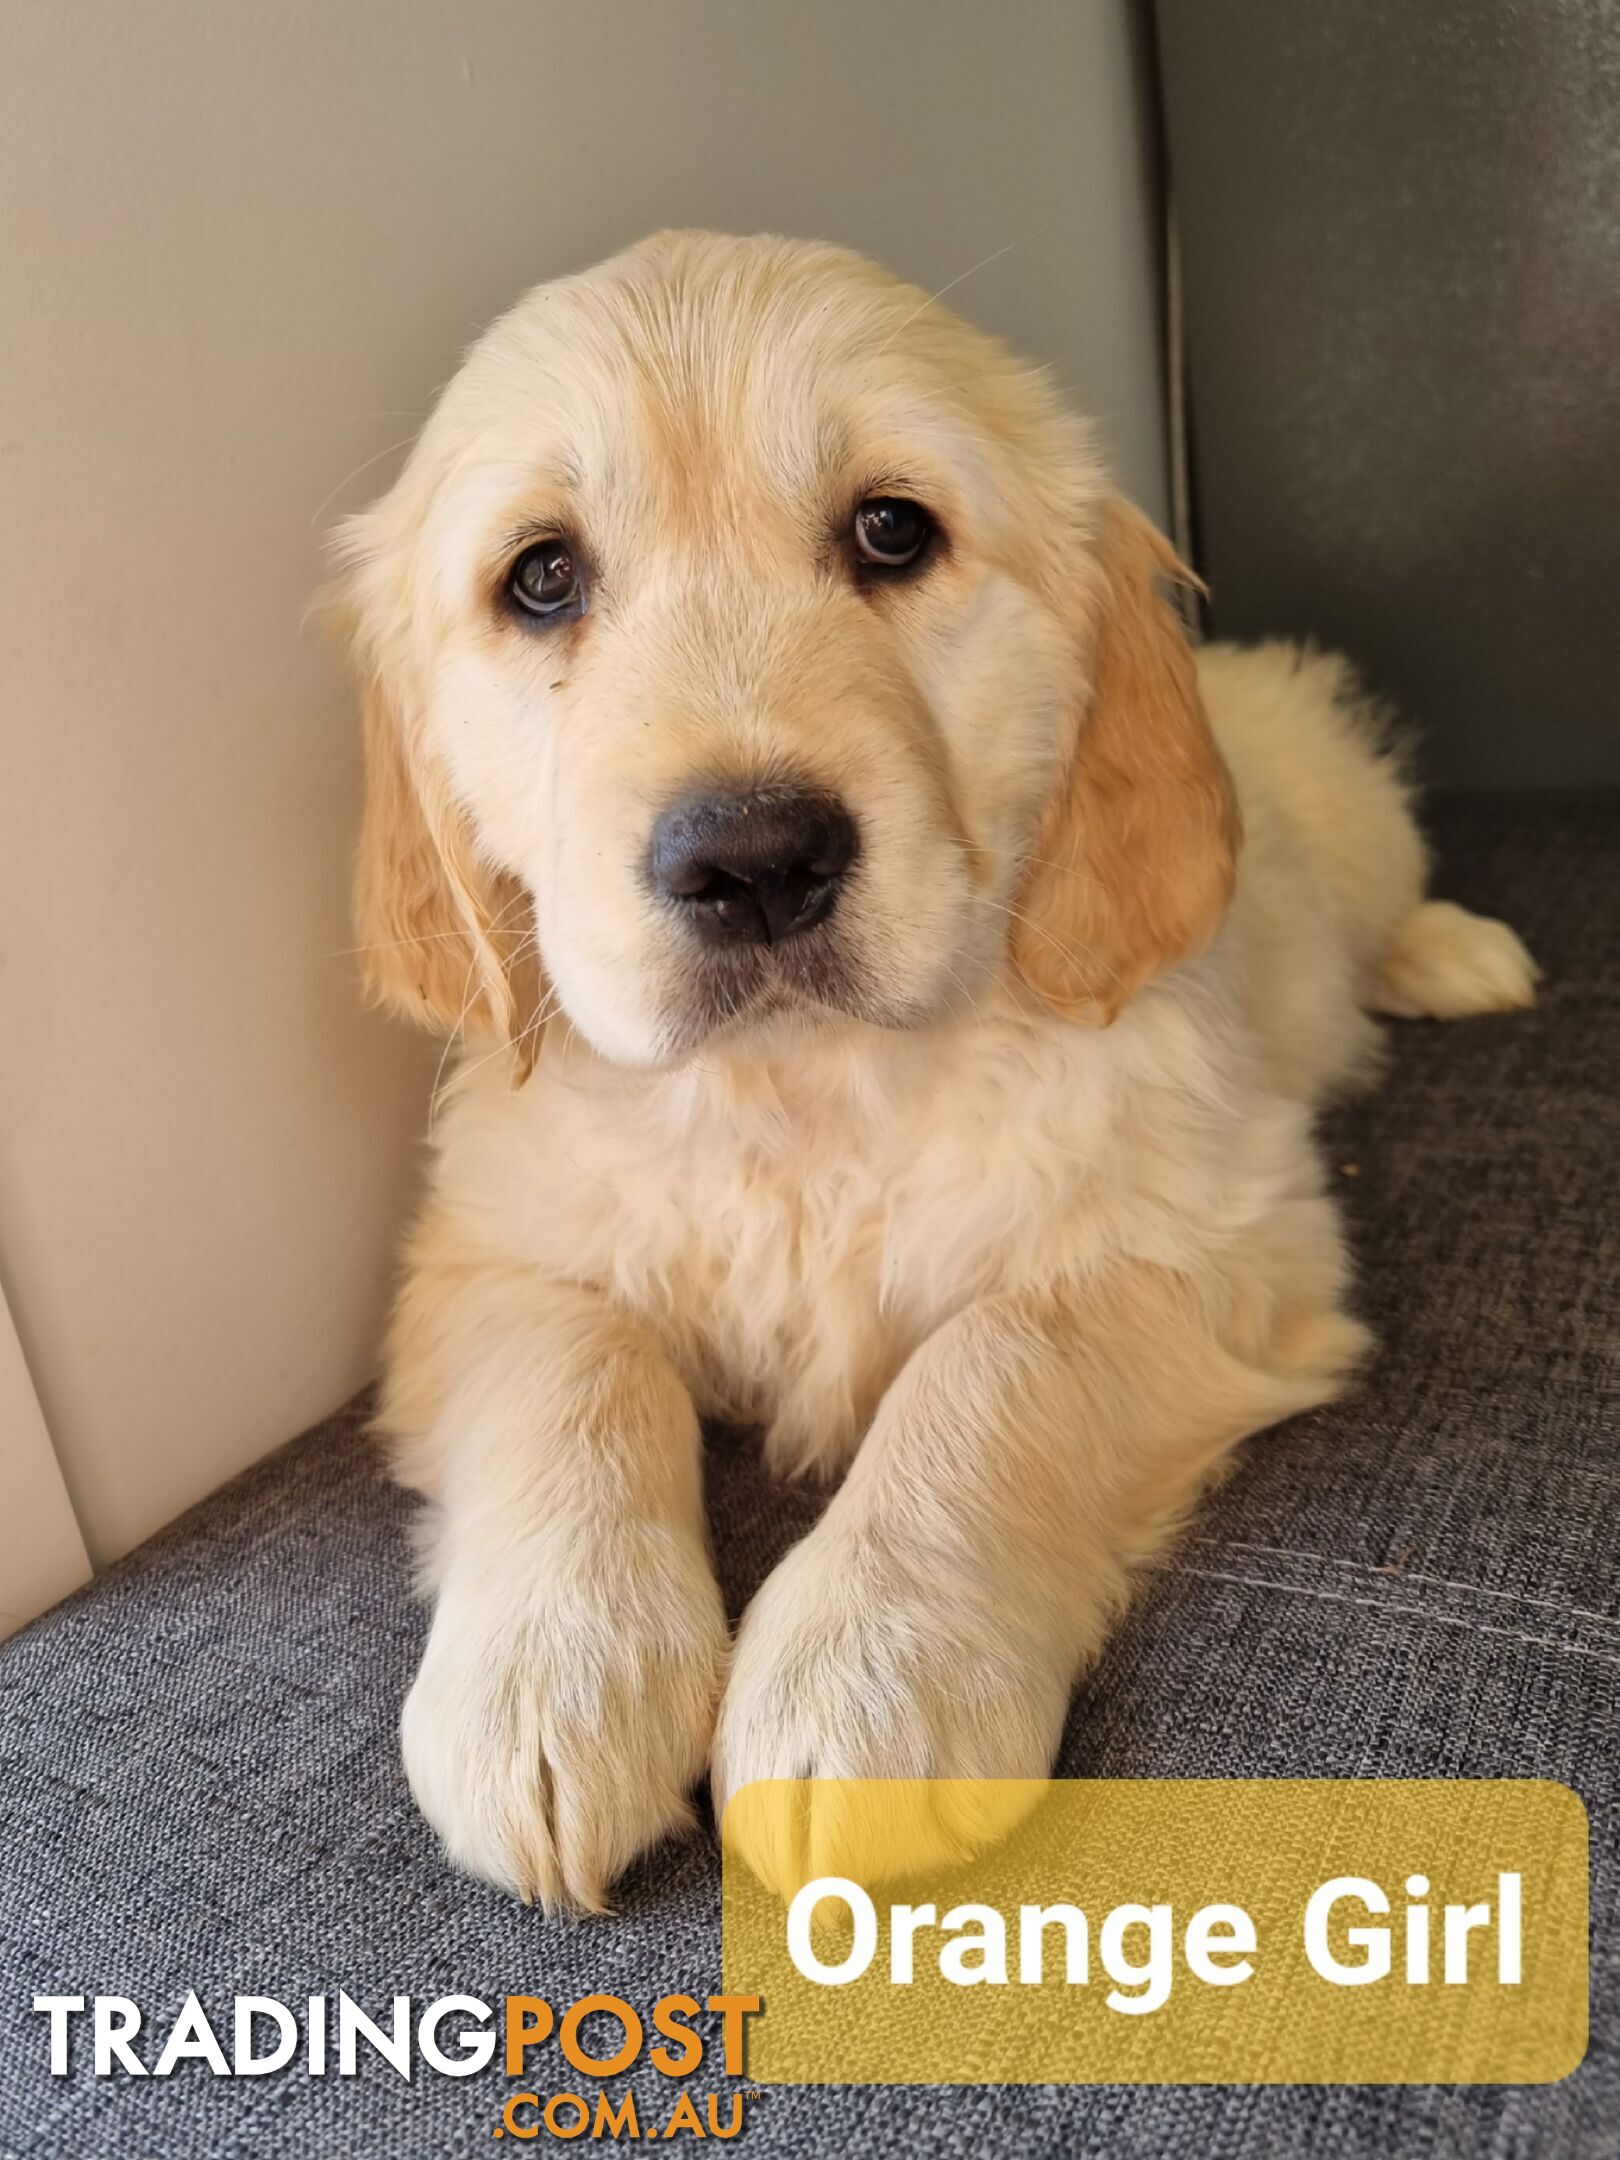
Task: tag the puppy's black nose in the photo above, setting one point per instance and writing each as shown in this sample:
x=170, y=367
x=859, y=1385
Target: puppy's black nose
x=754, y=867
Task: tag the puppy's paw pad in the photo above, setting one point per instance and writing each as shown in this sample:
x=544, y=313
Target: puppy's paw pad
x=1445, y=964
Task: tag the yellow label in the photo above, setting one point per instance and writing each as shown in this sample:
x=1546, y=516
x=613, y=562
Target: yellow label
x=1174, y=1931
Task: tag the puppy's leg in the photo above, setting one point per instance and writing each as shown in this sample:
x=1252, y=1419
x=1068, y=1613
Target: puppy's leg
x=935, y=1621
x=566, y=1697
x=1328, y=803
x=1443, y=963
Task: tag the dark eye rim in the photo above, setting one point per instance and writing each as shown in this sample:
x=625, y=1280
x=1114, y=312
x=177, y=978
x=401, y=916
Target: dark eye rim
x=571, y=606
x=880, y=567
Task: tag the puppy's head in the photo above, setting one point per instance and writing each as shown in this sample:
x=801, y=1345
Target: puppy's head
x=747, y=637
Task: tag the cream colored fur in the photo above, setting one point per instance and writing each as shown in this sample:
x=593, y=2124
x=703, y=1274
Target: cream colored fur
x=1024, y=1226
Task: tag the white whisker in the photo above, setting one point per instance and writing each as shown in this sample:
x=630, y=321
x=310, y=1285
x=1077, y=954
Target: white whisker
x=349, y=478
x=983, y=263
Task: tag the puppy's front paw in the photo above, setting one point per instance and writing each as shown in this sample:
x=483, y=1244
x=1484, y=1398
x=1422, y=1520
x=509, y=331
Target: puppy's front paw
x=564, y=1709
x=851, y=1665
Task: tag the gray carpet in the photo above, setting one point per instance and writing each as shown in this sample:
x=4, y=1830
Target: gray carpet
x=199, y=1784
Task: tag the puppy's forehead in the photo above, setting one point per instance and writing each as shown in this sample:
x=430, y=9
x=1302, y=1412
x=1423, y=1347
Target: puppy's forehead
x=693, y=369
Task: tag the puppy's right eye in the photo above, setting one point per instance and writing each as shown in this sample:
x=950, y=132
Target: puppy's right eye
x=546, y=581
x=891, y=533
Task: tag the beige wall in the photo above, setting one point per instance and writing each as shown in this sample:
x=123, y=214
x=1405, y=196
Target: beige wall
x=242, y=242
x=42, y=1555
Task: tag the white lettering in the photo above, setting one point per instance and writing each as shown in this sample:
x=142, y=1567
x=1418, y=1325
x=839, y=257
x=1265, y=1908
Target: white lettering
x=1220, y=1931
x=904, y=1921
x=1510, y=1918
x=192, y=2036
x=1033, y=1922
x=476, y=2047
x=353, y=2024
x=1154, y=1975
x=802, y=1950
x=59, y=2008
x=986, y=1945
x=243, y=2060
x=1374, y=1940
x=114, y=2038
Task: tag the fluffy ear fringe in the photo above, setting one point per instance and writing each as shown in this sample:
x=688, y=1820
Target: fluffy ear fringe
x=1134, y=863
x=442, y=938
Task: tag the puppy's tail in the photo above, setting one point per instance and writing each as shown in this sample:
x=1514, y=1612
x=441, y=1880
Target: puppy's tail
x=1444, y=964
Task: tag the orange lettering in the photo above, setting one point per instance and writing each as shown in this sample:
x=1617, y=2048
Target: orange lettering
x=528, y=2022
x=580, y=2123
x=606, y=2065
x=733, y=2009
x=509, y=2122
x=616, y=2122
x=735, y=2124
x=683, y=2116
x=671, y=2025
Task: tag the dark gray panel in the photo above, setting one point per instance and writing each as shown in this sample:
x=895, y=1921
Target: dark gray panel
x=1400, y=227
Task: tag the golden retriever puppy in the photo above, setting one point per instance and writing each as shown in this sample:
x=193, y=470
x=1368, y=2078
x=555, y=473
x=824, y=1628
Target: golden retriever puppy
x=893, y=976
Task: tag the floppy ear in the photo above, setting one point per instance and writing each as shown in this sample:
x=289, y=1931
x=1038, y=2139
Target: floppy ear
x=442, y=939
x=1133, y=865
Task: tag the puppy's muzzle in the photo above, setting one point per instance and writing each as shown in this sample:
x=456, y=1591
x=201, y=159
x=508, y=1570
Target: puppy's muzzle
x=756, y=866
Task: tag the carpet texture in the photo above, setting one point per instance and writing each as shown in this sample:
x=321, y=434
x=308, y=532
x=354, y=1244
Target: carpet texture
x=200, y=1785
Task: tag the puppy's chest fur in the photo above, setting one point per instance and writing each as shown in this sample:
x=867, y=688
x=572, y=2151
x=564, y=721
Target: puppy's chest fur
x=795, y=1226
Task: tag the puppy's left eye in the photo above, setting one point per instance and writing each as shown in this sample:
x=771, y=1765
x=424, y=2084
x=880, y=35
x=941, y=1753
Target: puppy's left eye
x=892, y=533
x=546, y=581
